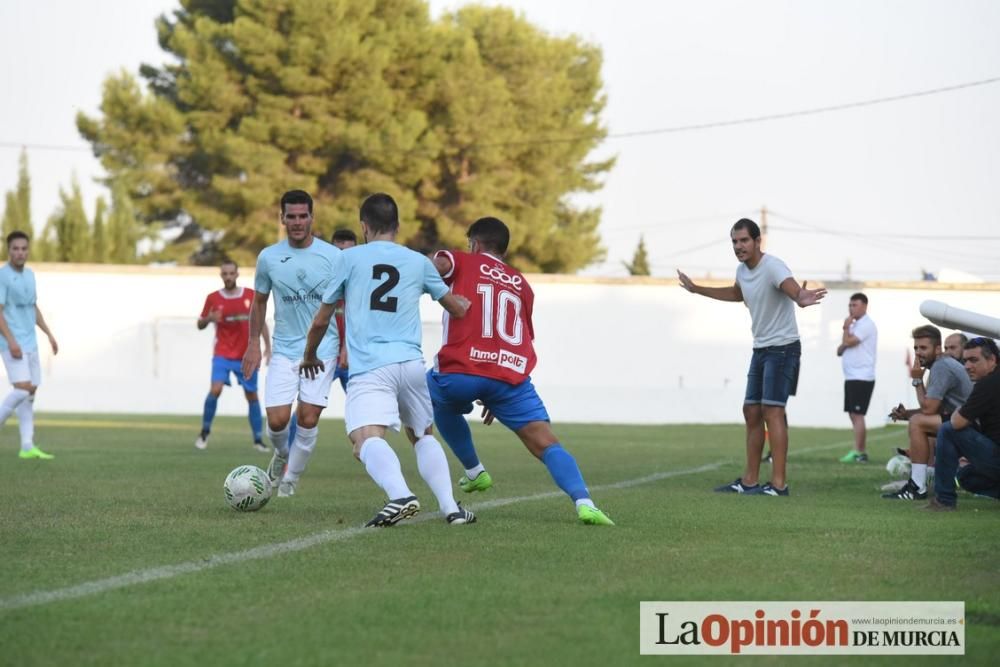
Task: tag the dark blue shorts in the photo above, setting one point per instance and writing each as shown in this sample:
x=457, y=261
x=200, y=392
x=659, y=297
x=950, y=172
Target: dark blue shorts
x=515, y=405
x=773, y=373
x=222, y=367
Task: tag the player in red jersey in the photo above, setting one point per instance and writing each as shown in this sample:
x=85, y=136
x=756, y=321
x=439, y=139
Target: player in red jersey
x=488, y=356
x=229, y=309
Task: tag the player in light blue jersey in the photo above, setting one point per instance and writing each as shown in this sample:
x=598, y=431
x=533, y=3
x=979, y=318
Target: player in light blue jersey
x=381, y=284
x=19, y=315
x=297, y=271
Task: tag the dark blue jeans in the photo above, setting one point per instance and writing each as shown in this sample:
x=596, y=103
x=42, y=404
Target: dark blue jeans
x=982, y=475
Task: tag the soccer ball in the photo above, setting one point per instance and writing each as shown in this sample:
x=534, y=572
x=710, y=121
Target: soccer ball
x=898, y=466
x=248, y=488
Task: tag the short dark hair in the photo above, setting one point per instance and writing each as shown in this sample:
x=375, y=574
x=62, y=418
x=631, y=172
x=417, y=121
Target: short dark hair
x=749, y=225
x=380, y=213
x=15, y=235
x=296, y=197
x=491, y=233
x=344, y=235
x=987, y=346
x=227, y=262
x=859, y=296
x=927, y=331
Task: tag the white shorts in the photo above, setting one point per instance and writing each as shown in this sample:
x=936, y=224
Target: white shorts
x=390, y=394
x=284, y=383
x=25, y=369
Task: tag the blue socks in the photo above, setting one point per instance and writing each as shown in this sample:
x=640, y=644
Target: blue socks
x=211, y=402
x=455, y=431
x=565, y=472
x=256, y=420
x=293, y=426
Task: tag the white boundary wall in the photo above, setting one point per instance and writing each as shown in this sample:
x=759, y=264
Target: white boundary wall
x=611, y=351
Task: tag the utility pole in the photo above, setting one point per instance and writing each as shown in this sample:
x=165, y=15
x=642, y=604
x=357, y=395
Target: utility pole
x=763, y=227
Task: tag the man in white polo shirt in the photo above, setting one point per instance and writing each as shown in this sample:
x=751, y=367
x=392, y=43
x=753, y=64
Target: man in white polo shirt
x=857, y=352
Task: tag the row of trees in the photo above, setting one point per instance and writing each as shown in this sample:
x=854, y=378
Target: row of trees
x=475, y=113
x=68, y=235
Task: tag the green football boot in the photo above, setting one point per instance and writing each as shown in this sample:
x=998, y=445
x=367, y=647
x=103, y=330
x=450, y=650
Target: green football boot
x=480, y=482
x=593, y=516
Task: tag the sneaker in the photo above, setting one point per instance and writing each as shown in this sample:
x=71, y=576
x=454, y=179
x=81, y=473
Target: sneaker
x=480, y=482
x=260, y=446
x=894, y=486
x=286, y=489
x=394, y=512
x=461, y=517
x=202, y=441
x=768, y=458
x=592, y=516
x=736, y=486
x=34, y=453
x=854, y=456
x=767, y=490
x=908, y=492
x=276, y=468
x=936, y=505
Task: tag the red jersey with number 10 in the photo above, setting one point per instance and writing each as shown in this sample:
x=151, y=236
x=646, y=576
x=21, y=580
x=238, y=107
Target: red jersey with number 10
x=494, y=339
x=232, y=332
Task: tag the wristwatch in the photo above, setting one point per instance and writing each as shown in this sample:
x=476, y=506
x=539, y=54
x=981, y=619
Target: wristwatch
x=917, y=382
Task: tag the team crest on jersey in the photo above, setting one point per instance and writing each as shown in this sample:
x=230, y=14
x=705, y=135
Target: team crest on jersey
x=498, y=275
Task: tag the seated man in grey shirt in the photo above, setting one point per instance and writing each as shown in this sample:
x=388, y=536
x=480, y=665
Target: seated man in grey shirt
x=948, y=385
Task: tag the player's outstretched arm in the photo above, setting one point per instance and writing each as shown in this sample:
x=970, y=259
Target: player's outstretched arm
x=311, y=366
x=258, y=313
x=729, y=293
x=800, y=295
x=456, y=304
x=41, y=324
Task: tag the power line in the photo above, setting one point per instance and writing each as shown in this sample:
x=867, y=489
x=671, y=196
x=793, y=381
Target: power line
x=651, y=132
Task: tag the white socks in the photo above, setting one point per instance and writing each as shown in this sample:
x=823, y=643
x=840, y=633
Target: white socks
x=10, y=403
x=918, y=473
x=433, y=467
x=383, y=467
x=26, y=422
x=472, y=473
x=279, y=439
x=301, y=450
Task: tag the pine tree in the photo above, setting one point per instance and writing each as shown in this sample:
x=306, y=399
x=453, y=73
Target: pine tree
x=477, y=113
x=99, y=244
x=121, y=234
x=17, y=203
x=68, y=228
x=639, y=266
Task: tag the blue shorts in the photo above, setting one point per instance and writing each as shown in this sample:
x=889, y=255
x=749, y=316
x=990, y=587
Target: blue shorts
x=222, y=367
x=773, y=373
x=515, y=405
x=342, y=375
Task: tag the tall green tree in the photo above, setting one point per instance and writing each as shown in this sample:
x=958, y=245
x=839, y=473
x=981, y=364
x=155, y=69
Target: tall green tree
x=68, y=228
x=477, y=113
x=17, y=203
x=639, y=266
x=99, y=242
x=121, y=231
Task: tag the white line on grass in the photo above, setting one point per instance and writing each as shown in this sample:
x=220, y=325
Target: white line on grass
x=271, y=550
x=323, y=537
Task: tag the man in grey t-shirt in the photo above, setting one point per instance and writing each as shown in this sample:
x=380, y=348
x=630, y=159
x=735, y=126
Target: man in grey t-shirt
x=948, y=385
x=765, y=284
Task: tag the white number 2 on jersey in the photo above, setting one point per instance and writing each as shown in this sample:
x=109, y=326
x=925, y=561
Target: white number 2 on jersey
x=498, y=310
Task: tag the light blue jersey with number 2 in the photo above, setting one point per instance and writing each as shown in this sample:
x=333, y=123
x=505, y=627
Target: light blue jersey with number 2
x=381, y=284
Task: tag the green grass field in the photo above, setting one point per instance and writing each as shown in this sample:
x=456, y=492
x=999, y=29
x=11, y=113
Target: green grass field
x=527, y=585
